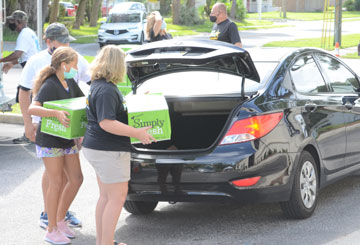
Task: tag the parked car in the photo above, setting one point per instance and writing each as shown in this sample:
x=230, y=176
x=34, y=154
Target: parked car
x=69, y=8
x=280, y=136
x=121, y=7
x=123, y=27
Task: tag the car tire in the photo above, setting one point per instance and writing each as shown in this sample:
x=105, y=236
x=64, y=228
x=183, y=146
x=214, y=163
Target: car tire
x=137, y=207
x=101, y=45
x=141, y=38
x=304, y=194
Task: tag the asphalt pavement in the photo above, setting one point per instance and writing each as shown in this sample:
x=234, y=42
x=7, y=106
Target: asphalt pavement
x=335, y=221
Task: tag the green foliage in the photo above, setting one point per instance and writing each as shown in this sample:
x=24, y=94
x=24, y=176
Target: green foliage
x=189, y=16
x=349, y=5
x=240, y=12
x=357, y=5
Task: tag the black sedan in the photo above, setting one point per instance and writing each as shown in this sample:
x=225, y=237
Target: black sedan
x=237, y=137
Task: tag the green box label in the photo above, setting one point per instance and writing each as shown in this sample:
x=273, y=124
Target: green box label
x=149, y=110
x=78, y=119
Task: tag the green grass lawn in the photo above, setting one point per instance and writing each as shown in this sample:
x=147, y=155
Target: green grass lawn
x=308, y=16
x=351, y=56
x=181, y=30
x=347, y=41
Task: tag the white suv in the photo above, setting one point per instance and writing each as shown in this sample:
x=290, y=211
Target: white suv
x=123, y=27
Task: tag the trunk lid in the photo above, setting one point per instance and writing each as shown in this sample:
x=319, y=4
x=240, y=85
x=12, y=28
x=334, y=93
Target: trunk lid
x=169, y=56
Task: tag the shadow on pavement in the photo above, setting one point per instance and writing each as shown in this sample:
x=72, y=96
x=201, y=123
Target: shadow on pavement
x=198, y=223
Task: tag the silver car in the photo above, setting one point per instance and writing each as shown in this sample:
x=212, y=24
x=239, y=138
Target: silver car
x=123, y=27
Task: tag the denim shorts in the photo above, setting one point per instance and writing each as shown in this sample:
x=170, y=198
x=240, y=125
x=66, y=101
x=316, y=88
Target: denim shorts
x=55, y=152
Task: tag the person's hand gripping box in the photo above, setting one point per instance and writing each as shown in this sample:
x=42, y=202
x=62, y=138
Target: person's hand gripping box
x=78, y=119
x=149, y=110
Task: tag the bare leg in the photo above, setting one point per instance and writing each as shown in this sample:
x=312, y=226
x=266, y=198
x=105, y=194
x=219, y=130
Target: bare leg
x=100, y=206
x=75, y=178
x=45, y=186
x=54, y=170
x=116, y=195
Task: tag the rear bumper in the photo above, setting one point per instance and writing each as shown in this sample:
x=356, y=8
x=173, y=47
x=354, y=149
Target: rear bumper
x=208, y=178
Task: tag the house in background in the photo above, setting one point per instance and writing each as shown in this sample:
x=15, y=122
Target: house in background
x=304, y=5
x=267, y=6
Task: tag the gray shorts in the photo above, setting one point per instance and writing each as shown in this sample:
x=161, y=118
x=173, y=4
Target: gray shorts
x=110, y=166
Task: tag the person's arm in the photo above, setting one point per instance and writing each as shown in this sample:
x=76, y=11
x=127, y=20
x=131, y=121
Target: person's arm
x=37, y=110
x=14, y=56
x=238, y=44
x=119, y=128
x=24, y=101
x=158, y=23
x=234, y=35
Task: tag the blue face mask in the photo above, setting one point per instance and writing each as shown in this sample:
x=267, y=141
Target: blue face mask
x=163, y=25
x=71, y=74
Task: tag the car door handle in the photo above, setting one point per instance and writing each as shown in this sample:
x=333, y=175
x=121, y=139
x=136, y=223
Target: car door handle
x=310, y=107
x=348, y=105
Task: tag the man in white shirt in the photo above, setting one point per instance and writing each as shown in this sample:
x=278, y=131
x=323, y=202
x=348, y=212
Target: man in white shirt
x=27, y=43
x=56, y=35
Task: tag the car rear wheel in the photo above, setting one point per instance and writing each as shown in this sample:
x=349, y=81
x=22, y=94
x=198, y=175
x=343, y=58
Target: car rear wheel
x=141, y=38
x=137, y=207
x=304, y=193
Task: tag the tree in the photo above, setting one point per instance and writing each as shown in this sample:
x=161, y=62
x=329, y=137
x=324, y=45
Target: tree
x=95, y=12
x=190, y=4
x=176, y=6
x=80, y=14
x=45, y=10
x=284, y=8
x=233, y=9
x=54, y=10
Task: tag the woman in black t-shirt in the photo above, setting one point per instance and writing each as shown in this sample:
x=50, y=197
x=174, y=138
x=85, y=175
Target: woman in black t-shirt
x=55, y=82
x=156, y=28
x=106, y=142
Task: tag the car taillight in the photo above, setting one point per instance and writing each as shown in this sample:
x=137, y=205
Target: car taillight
x=246, y=182
x=251, y=128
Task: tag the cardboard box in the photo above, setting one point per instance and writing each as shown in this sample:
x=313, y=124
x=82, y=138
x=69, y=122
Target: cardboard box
x=78, y=119
x=149, y=110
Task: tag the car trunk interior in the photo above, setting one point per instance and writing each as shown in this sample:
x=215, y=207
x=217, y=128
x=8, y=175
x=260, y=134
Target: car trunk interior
x=195, y=123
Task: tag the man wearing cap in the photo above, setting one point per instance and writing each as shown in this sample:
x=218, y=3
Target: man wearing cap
x=56, y=35
x=27, y=43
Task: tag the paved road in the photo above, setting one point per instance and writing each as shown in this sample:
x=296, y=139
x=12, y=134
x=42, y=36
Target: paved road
x=336, y=220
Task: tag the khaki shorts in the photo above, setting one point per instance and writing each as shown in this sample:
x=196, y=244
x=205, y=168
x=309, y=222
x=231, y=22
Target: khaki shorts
x=110, y=166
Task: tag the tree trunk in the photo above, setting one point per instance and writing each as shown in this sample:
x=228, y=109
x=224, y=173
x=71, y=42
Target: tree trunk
x=233, y=9
x=11, y=6
x=176, y=11
x=80, y=13
x=190, y=4
x=95, y=13
x=54, y=11
x=45, y=10
x=162, y=7
x=29, y=8
x=284, y=8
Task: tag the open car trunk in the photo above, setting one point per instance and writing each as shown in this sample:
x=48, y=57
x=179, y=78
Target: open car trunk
x=196, y=123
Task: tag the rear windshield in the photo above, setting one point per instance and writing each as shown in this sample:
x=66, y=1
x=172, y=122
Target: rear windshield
x=192, y=83
x=124, y=18
x=201, y=83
